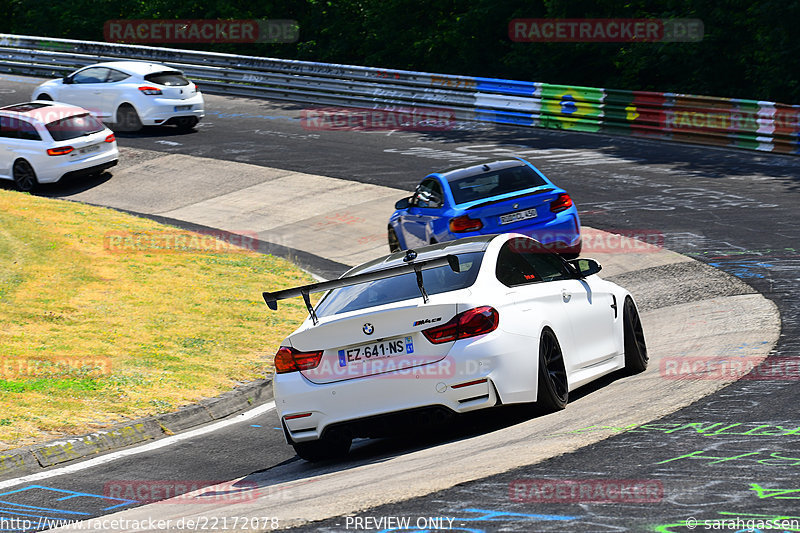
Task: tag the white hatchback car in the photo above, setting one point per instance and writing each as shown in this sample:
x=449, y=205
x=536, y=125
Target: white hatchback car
x=130, y=94
x=448, y=328
x=43, y=142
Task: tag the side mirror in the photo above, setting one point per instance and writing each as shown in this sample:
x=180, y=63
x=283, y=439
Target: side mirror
x=402, y=204
x=67, y=80
x=585, y=267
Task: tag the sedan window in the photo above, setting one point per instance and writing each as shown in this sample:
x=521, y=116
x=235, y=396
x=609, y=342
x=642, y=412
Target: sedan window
x=523, y=261
x=91, y=75
x=489, y=184
x=429, y=194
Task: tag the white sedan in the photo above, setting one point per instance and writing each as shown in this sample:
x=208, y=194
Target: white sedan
x=43, y=142
x=448, y=328
x=130, y=94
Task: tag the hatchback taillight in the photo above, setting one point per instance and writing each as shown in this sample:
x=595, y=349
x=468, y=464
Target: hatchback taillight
x=477, y=321
x=64, y=150
x=150, y=91
x=561, y=203
x=111, y=138
x=465, y=223
x=287, y=359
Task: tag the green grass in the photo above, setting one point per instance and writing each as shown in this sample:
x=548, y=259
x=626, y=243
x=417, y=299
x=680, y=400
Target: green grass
x=93, y=333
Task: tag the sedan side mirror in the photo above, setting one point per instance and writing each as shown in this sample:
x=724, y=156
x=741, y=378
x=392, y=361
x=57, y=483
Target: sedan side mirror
x=403, y=204
x=585, y=267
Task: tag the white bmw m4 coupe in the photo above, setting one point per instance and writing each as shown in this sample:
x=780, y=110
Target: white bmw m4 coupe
x=448, y=328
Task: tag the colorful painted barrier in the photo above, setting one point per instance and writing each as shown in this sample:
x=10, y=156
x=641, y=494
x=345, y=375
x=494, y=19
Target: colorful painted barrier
x=728, y=122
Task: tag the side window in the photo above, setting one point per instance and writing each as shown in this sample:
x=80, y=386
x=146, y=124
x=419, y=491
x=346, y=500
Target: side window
x=116, y=75
x=91, y=75
x=525, y=261
x=429, y=194
x=15, y=128
x=512, y=268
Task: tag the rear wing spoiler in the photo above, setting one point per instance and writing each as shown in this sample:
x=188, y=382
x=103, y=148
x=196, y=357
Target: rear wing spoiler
x=271, y=298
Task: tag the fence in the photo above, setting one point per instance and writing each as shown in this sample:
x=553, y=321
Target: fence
x=750, y=124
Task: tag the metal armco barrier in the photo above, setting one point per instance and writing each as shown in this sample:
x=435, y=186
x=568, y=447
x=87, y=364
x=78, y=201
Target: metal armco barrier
x=749, y=124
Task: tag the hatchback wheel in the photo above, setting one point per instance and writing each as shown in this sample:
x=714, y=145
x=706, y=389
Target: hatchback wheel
x=24, y=176
x=127, y=119
x=553, y=388
x=186, y=123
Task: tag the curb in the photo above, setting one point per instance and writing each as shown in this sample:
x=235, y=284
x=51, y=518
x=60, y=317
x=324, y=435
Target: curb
x=29, y=459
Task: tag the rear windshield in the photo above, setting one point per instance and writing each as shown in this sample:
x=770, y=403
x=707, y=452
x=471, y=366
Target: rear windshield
x=73, y=127
x=170, y=78
x=489, y=184
x=398, y=288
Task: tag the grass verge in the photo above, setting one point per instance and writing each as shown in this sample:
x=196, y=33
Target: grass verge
x=106, y=317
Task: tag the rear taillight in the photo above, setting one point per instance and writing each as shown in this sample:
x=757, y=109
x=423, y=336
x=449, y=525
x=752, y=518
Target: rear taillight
x=150, y=91
x=464, y=223
x=111, y=138
x=477, y=321
x=287, y=359
x=561, y=203
x=64, y=150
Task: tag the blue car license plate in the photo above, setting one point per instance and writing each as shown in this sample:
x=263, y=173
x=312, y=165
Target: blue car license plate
x=517, y=216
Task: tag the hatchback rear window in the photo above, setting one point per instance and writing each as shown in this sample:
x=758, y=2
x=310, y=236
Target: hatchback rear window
x=73, y=127
x=170, y=78
x=399, y=288
x=489, y=184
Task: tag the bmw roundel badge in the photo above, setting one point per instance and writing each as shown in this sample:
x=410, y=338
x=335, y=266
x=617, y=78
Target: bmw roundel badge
x=368, y=328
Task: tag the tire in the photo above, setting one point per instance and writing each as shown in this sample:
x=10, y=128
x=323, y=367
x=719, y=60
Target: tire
x=553, y=393
x=24, y=176
x=127, y=119
x=636, y=358
x=44, y=97
x=394, y=242
x=334, y=444
x=186, y=124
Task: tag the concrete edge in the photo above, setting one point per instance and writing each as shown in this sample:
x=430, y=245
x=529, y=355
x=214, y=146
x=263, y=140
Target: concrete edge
x=28, y=459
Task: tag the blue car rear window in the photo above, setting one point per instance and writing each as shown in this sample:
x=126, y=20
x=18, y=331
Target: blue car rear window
x=494, y=183
x=399, y=288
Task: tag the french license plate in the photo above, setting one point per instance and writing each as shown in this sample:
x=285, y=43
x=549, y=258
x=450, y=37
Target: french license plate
x=182, y=107
x=89, y=149
x=376, y=350
x=519, y=215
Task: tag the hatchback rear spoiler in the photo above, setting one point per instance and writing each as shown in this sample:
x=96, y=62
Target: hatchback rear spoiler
x=450, y=260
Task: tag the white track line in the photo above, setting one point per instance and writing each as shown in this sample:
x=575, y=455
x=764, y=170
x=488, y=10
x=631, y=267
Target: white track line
x=160, y=443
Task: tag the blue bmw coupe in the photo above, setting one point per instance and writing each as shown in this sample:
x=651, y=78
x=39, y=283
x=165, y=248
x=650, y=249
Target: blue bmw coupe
x=501, y=196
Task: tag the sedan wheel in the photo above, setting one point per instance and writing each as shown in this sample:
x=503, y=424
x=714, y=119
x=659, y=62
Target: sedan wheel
x=334, y=444
x=553, y=389
x=127, y=119
x=24, y=176
x=636, y=357
x=394, y=242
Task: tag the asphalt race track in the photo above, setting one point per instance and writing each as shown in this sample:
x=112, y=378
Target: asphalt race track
x=732, y=454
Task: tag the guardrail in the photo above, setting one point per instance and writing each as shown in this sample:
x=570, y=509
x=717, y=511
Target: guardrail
x=749, y=124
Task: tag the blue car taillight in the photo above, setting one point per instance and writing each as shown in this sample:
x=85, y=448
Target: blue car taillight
x=561, y=203
x=465, y=223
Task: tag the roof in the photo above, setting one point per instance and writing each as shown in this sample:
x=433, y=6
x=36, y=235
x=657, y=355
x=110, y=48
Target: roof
x=473, y=169
x=140, y=68
x=460, y=246
x=43, y=111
